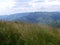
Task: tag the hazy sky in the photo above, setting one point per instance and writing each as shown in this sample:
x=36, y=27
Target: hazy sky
x=20, y=6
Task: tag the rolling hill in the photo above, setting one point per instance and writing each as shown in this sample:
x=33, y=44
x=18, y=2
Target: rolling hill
x=45, y=18
x=23, y=28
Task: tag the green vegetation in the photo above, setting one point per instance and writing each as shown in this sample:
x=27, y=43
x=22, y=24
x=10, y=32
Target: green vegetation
x=15, y=33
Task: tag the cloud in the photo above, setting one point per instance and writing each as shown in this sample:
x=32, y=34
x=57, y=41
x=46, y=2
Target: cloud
x=21, y=6
x=22, y=0
x=36, y=6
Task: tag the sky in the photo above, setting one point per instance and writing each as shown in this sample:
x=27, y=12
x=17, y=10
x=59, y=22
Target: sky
x=8, y=7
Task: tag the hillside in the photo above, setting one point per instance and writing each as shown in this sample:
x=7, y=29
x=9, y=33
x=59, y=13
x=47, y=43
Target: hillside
x=19, y=33
x=45, y=18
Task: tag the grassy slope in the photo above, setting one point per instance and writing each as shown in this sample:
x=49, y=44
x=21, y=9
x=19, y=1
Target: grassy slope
x=13, y=33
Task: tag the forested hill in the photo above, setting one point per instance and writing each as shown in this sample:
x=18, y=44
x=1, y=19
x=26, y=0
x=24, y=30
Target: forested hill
x=45, y=18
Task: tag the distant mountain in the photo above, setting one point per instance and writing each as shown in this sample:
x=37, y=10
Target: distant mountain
x=12, y=17
x=49, y=18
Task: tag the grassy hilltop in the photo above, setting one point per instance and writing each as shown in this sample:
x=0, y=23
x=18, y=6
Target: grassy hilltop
x=16, y=33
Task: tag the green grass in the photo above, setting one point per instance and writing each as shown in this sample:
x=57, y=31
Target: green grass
x=13, y=33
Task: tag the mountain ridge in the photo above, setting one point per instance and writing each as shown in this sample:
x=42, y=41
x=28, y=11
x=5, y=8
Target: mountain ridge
x=35, y=17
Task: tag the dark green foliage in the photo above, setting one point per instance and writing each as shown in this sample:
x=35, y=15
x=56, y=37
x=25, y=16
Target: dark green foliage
x=10, y=38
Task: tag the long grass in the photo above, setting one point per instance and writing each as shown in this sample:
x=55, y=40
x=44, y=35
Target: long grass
x=13, y=33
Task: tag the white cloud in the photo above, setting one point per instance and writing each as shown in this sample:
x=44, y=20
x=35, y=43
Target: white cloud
x=37, y=6
x=49, y=6
x=33, y=5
